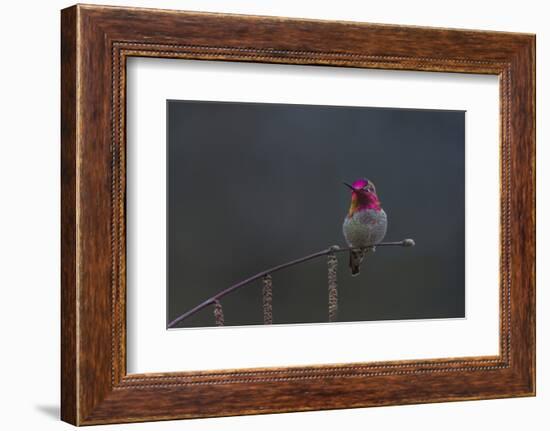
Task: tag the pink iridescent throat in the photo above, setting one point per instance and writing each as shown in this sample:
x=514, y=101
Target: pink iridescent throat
x=363, y=200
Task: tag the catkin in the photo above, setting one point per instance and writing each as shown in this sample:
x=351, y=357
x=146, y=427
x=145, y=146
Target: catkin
x=268, y=299
x=218, y=313
x=332, y=263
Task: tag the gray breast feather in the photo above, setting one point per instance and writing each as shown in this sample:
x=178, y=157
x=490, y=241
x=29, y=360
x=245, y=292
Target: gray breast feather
x=365, y=228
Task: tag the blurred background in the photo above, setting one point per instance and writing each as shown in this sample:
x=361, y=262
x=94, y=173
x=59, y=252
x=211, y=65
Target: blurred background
x=253, y=185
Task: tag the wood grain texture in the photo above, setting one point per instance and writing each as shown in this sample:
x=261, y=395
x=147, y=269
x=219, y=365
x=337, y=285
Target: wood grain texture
x=96, y=41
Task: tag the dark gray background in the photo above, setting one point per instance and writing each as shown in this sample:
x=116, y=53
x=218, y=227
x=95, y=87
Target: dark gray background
x=252, y=185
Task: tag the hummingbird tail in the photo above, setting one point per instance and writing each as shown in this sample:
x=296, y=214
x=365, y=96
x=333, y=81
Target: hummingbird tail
x=355, y=259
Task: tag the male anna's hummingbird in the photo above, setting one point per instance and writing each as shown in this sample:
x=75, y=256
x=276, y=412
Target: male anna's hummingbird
x=366, y=222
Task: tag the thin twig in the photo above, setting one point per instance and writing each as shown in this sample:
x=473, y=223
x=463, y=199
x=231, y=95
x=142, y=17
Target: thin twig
x=221, y=294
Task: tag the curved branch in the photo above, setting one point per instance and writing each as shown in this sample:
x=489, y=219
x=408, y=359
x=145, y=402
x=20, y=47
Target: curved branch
x=228, y=290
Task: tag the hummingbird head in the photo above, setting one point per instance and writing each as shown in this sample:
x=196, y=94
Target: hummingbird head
x=363, y=196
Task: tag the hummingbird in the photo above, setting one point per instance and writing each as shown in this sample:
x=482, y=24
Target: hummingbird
x=366, y=222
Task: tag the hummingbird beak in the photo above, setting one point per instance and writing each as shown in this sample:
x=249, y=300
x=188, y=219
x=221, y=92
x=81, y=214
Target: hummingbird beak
x=349, y=185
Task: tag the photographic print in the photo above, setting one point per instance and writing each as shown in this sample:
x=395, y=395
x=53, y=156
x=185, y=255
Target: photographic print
x=301, y=214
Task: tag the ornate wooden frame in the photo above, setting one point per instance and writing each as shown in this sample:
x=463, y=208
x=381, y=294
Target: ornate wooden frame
x=95, y=43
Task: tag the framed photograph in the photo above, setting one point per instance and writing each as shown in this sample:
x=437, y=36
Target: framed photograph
x=264, y=214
